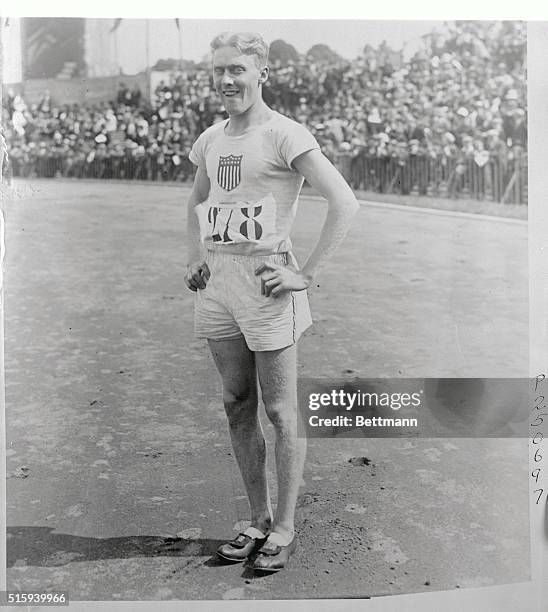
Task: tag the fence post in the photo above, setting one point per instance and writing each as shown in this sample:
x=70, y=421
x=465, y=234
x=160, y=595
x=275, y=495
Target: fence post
x=509, y=187
x=394, y=179
x=343, y=163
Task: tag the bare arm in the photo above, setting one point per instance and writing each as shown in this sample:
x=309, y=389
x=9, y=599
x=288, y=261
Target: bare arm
x=342, y=206
x=197, y=273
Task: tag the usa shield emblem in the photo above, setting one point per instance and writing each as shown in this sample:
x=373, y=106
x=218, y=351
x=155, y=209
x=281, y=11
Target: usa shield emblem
x=229, y=171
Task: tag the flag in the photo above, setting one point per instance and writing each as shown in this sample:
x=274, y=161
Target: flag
x=177, y=24
x=116, y=25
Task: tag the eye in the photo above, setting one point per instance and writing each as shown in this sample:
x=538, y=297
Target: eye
x=237, y=70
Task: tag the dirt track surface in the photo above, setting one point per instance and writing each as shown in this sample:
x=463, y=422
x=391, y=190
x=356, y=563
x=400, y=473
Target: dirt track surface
x=121, y=480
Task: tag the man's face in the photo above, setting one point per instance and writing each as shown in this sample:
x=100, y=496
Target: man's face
x=236, y=79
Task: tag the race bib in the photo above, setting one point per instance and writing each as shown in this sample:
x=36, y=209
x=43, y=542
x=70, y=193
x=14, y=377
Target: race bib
x=237, y=222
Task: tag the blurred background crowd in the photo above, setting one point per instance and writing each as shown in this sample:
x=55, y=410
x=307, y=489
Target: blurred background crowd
x=451, y=117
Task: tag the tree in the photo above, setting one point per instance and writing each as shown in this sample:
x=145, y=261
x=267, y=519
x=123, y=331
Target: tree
x=282, y=52
x=322, y=53
x=169, y=64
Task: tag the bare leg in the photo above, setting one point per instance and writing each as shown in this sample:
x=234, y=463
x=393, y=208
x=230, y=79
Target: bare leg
x=278, y=379
x=236, y=365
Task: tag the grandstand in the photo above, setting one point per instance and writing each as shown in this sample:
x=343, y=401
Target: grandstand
x=448, y=121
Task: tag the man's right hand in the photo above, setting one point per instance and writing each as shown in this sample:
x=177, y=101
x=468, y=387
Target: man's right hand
x=197, y=275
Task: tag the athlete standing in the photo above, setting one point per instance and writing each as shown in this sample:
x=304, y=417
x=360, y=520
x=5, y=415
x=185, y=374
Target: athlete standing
x=251, y=301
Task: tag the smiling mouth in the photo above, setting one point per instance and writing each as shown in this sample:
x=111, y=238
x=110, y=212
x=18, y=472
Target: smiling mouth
x=230, y=93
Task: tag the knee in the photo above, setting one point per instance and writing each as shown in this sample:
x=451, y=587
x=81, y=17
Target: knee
x=239, y=396
x=240, y=404
x=281, y=413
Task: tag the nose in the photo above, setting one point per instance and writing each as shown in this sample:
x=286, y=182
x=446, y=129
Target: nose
x=226, y=79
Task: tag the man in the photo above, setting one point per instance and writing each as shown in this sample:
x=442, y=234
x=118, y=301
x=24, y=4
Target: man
x=251, y=301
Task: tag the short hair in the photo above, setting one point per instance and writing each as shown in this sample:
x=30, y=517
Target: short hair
x=247, y=43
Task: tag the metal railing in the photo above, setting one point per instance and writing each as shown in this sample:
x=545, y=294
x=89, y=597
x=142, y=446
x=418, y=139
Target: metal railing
x=147, y=168
x=498, y=180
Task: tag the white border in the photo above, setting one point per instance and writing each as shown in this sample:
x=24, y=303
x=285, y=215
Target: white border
x=525, y=596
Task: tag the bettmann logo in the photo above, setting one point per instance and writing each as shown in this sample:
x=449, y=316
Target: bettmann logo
x=229, y=171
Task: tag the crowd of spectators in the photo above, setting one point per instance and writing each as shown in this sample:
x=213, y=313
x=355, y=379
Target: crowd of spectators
x=464, y=90
x=460, y=97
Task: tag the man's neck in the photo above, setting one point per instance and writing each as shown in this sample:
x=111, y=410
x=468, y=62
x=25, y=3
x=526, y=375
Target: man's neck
x=256, y=115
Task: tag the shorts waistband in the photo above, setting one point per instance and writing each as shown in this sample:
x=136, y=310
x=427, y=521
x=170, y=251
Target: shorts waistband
x=279, y=258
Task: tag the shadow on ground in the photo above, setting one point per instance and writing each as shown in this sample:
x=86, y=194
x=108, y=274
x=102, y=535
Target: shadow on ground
x=39, y=546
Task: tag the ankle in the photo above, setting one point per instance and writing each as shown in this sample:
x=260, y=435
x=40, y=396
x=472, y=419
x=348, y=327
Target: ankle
x=286, y=534
x=263, y=523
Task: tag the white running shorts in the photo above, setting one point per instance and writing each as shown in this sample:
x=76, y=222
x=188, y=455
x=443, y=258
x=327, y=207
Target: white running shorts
x=232, y=305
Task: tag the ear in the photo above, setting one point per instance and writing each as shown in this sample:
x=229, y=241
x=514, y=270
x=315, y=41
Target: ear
x=264, y=75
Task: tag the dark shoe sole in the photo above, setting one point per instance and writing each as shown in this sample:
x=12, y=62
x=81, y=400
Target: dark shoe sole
x=268, y=570
x=271, y=570
x=231, y=559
